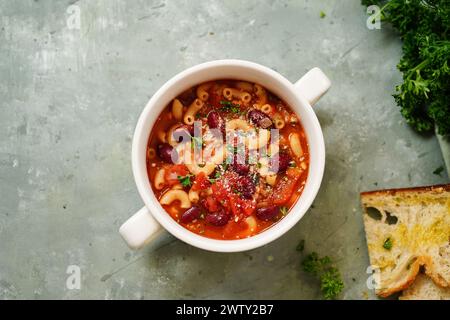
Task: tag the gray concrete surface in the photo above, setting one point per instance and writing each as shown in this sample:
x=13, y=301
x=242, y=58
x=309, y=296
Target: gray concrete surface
x=70, y=99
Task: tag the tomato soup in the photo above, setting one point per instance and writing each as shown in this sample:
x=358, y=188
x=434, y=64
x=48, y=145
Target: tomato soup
x=227, y=159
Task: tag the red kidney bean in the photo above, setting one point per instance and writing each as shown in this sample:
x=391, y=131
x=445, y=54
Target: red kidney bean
x=218, y=219
x=215, y=121
x=188, y=96
x=259, y=118
x=240, y=168
x=165, y=152
x=190, y=215
x=245, y=187
x=267, y=213
x=283, y=162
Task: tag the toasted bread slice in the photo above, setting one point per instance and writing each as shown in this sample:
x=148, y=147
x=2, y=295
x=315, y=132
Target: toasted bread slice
x=424, y=288
x=407, y=229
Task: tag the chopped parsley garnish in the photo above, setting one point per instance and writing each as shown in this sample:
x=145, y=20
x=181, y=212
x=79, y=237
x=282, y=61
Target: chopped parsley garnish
x=226, y=103
x=185, y=180
x=331, y=283
x=387, y=244
x=292, y=164
x=284, y=210
x=223, y=167
x=230, y=106
x=217, y=176
x=199, y=115
x=423, y=27
x=438, y=171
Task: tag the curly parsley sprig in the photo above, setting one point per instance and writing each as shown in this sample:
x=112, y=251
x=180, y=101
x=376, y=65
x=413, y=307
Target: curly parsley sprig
x=331, y=283
x=424, y=27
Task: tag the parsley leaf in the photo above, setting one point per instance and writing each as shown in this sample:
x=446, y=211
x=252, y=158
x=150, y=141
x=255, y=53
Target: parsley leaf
x=230, y=106
x=424, y=94
x=331, y=283
x=185, y=180
x=387, y=244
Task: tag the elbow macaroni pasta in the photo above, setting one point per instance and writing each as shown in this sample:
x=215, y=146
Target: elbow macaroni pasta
x=151, y=153
x=202, y=91
x=238, y=124
x=177, y=109
x=266, y=108
x=189, y=116
x=230, y=93
x=261, y=94
x=296, y=147
x=159, y=181
x=278, y=121
x=271, y=179
x=180, y=138
x=176, y=195
x=196, y=168
x=161, y=135
x=251, y=227
x=253, y=139
x=245, y=86
x=193, y=196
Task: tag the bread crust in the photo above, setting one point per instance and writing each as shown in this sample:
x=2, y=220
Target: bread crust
x=438, y=188
x=438, y=280
x=424, y=288
x=414, y=271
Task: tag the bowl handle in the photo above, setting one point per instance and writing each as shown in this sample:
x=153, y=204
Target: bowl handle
x=140, y=229
x=313, y=85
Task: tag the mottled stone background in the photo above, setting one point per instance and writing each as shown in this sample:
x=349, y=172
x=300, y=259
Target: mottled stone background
x=69, y=101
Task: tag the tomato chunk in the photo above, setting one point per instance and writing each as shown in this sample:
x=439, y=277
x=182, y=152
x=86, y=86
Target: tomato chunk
x=227, y=190
x=211, y=204
x=214, y=100
x=285, y=188
x=173, y=172
x=201, y=182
